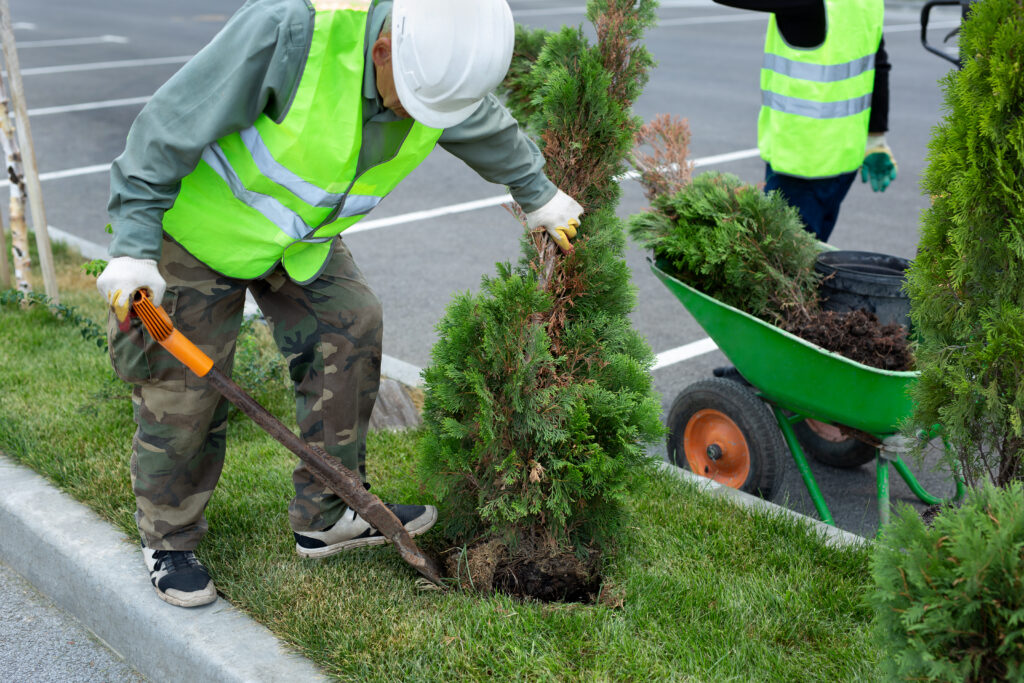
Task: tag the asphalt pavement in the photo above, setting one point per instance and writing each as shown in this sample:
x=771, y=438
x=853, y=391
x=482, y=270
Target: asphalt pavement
x=41, y=642
x=89, y=67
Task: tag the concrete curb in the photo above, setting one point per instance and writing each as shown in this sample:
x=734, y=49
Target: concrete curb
x=833, y=536
x=93, y=572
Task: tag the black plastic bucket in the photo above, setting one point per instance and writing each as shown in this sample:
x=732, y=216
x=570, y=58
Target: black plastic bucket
x=861, y=279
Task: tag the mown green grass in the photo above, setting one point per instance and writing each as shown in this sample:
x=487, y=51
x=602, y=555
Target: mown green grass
x=711, y=592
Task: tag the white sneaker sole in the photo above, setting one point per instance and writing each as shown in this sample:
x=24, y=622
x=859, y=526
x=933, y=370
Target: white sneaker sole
x=195, y=599
x=423, y=525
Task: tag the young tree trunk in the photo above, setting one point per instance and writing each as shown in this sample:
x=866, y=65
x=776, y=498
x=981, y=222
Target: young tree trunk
x=26, y=154
x=5, y=268
x=19, y=230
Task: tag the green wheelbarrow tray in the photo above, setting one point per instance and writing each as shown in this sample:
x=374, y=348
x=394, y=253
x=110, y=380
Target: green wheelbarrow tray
x=797, y=375
x=791, y=374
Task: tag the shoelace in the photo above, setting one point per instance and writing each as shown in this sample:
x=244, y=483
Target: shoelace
x=176, y=560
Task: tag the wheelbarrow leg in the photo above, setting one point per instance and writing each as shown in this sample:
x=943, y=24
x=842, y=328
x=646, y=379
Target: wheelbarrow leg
x=890, y=451
x=802, y=465
x=882, y=477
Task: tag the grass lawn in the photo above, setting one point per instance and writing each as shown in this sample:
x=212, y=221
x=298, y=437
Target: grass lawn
x=711, y=591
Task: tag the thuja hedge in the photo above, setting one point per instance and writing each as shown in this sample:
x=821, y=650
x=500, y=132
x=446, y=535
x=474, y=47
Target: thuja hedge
x=538, y=396
x=966, y=284
x=949, y=599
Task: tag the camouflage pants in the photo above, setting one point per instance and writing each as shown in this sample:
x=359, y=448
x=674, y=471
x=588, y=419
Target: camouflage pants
x=329, y=331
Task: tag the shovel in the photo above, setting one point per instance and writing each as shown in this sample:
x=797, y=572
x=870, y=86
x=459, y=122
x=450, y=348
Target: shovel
x=331, y=473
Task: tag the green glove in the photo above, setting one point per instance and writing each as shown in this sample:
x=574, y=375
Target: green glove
x=879, y=165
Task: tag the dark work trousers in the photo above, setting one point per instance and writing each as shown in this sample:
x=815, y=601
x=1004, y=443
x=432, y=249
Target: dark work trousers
x=817, y=199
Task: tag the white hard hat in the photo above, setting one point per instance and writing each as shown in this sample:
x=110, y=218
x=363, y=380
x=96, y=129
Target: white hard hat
x=447, y=55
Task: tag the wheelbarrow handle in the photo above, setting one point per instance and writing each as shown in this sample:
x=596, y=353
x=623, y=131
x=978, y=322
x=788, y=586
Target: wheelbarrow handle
x=335, y=476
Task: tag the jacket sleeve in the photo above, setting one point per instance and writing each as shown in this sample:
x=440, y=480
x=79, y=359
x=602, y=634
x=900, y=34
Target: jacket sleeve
x=250, y=67
x=879, y=119
x=491, y=143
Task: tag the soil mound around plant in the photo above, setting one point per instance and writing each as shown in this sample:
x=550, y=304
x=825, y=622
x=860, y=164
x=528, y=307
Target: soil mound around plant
x=857, y=335
x=539, y=574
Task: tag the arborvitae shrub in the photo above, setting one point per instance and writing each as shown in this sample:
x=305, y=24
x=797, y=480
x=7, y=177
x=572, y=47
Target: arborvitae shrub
x=735, y=243
x=966, y=284
x=949, y=600
x=538, y=397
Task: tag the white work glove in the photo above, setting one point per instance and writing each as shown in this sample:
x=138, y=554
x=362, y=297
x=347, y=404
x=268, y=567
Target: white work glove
x=560, y=217
x=124, y=276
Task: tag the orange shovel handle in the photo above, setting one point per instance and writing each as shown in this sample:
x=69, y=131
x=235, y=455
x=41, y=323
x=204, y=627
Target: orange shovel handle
x=160, y=327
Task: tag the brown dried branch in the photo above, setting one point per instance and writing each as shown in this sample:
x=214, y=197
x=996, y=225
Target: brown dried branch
x=667, y=170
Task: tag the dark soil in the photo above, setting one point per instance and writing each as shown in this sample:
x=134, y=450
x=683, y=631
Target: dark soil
x=857, y=335
x=538, y=574
x=929, y=514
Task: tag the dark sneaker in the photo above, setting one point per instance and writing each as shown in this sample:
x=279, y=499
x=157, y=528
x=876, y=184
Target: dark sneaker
x=178, y=577
x=352, y=532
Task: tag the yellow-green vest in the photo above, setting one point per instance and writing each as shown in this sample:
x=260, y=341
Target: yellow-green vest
x=280, y=192
x=815, y=102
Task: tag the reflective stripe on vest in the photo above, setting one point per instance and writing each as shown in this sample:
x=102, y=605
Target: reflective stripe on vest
x=822, y=73
x=280, y=192
x=815, y=110
x=816, y=102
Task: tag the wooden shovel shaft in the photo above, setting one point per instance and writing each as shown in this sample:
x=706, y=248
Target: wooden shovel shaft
x=335, y=476
x=332, y=473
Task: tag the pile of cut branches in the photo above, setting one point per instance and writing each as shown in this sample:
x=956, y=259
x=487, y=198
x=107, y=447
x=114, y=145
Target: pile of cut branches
x=749, y=249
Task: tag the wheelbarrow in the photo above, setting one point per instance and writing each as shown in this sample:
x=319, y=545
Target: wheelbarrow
x=736, y=432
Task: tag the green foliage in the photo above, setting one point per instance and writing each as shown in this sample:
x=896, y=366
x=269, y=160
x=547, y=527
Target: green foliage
x=539, y=396
x=487, y=410
x=94, y=267
x=518, y=87
x=90, y=330
x=966, y=285
x=949, y=600
x=258, y=366
x=735, y=243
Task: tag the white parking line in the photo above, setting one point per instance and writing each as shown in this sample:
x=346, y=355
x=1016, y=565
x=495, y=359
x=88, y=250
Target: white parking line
x=62, y=42
x=158, y=61
x=760, y=16
x=498, y=200
x=96, y=66
x=713, y=19
x=363, y=226
x=581, y=9
x=86, y=106
x=900, y=28
x=69, y=173
x=449, y=210
x=685, y=352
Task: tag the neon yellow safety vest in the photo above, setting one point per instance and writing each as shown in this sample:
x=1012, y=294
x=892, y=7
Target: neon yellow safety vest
x=815, y=102
x=280, y=192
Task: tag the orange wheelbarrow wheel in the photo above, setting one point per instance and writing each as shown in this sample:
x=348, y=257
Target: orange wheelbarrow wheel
x=720, y=430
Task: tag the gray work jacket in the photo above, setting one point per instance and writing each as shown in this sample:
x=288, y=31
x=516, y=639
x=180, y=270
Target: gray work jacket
x=251, y=67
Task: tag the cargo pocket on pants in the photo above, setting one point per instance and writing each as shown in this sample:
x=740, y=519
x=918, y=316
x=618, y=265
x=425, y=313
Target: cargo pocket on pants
x=135, y=356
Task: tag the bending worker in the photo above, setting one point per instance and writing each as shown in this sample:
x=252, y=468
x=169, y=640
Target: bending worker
x=824, y=103
x=240, y=174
